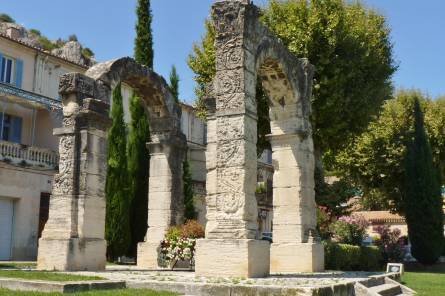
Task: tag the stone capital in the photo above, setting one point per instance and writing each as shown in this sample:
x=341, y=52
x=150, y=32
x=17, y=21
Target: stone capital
x=76, y=83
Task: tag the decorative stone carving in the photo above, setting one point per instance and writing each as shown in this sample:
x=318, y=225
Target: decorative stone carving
x=245, y=49
x=73, y=238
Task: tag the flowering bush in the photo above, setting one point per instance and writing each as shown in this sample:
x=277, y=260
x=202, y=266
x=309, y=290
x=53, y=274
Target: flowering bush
x=179, y=243
x=390, y=243
x=350, y=229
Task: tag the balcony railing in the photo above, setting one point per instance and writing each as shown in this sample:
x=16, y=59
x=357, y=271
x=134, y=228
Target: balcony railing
x=49, y=103
x=28, y=156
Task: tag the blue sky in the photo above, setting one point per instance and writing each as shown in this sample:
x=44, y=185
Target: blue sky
x=107, y=26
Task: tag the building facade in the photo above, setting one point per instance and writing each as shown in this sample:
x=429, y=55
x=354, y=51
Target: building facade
x=29, y=110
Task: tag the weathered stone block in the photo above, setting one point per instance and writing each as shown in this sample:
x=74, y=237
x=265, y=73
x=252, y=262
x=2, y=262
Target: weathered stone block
x=231, y=257
x=293, y=257
x=72, y=254
x=148, y=255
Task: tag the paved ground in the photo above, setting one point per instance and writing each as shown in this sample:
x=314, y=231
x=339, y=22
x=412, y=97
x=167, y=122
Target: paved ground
x=133, y=274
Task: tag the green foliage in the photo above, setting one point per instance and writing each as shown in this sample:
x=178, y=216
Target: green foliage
x=87, y=52
x=203, y=62
x=423, y=200
x=46, y=43
x=350, y=47
x=5, y=18
x=349, y=229
x=35, y=32
x=117, y=225
x=189, y=208
x=72, y=37
x=334, y=197
x=138, y=170
x=351, y=258
x=143, y=49
x=374, y=161
x=174, y=83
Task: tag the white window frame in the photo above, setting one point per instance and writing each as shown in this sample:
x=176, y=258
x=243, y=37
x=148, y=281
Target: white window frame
x=6, y=58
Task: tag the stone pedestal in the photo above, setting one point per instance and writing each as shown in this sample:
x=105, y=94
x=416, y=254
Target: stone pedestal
x=72, y=254
x=232, y=258
x=292, y=257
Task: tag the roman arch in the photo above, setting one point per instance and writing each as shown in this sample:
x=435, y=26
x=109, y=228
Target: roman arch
x=73, y=238
x=244, y=49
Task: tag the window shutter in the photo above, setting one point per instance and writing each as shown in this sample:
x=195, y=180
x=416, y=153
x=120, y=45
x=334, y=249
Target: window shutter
x=2, y=69
x=18, y=73
x=1, y=126
x=16, y=134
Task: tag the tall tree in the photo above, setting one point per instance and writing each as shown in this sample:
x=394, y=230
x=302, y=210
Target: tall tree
x=117, y=226
x=143, y=50
x=374, y=161
x=138, y=170
x=423, y=199
x=139, y=135
x=174, y=83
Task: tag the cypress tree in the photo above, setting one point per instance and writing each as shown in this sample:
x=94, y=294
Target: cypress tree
x=143, y=50
x=423, y=201
x=138, y=170
x=174, y=83
x=138, y=154
x=117, y=226
x=189, y=207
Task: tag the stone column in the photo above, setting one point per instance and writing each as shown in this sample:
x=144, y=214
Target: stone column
x=230, y=247
x=73, y=238
x=295, y=246
x=165, y=194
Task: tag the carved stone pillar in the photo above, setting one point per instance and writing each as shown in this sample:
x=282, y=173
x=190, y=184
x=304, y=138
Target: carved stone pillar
x=73, y=238
x=165, y=194
x=295, y=247
x=230, y=247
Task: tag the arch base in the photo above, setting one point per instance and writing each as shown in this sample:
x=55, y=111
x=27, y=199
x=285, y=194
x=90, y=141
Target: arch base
x=247, y=258
x=294, y=257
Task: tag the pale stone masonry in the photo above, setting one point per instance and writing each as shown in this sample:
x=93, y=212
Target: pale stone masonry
x=245, y=49
x=73, y=238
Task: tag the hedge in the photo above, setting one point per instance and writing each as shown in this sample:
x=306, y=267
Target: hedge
x=352, y=258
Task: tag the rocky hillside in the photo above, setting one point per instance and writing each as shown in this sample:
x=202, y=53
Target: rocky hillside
x=69, y=49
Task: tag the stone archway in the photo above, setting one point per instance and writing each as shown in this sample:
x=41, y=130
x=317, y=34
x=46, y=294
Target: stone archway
x=244, y=49
x=73, y=238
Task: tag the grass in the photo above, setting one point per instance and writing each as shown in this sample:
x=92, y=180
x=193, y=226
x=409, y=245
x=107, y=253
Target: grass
x=125, y=292
x=17, y=265
x=45, y=275
x=425, y=283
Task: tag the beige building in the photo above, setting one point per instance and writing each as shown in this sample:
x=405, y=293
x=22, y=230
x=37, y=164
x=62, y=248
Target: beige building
x=29, y=110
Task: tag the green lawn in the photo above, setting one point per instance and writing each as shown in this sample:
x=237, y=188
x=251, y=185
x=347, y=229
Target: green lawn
x=425, y=283
x=17, y=265
x=45, y=275
x=126, y=292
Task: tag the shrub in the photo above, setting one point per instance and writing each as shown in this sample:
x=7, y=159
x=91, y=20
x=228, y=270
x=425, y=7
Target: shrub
x=370, y=259
x=179, y=243
x=390, y=244
x=4, y=18
x=192, y=229
x=349, y=229
x=352, y=258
